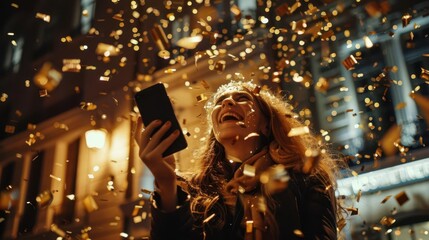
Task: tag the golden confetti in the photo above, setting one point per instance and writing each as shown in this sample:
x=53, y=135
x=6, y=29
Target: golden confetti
x=400, y=105
x=322, y=85
x=89, y=106
x=118, y=17
x=311, y=161
x=54, y=177
x=352, y=210
x=206, y=220
x=44, y=17
x=350, y=62
x=107, y=50
x=424, y=74
x=90, y=204
x=275, y=178
x=55, y=229
x=9, y=129
x=220, y=65
x=202, y=97
x=406, y=20
x=249, y=226
x=5, y=200
x=387, y=221
x=298, y=131
x=170, y=70
x=341, y=224
x=104, y=78
x=47, y=77
x=71, y=65
x=385, y=199
x=45, y=198
x=249, y=170
x=31, y=139
x=401, y=198
x=253, y=134
x=161, y=41
x=298, y=233
x=236, y=12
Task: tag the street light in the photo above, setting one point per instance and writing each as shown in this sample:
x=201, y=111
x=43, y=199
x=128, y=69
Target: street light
x=95, y=138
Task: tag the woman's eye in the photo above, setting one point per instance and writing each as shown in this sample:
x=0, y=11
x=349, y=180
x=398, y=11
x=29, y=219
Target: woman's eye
x=243, y=98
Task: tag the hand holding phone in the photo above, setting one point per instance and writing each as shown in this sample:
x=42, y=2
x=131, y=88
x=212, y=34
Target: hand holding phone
x=154, y=104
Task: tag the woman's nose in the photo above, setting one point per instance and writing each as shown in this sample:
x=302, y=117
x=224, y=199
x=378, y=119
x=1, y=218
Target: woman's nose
x=228, y=102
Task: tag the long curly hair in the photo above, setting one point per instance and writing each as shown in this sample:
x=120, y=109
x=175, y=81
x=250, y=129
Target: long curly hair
x=215, y=171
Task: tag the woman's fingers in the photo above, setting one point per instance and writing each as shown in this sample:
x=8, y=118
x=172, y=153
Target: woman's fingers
x=164, y=144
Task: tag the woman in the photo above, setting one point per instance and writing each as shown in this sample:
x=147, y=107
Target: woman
x=262, y=174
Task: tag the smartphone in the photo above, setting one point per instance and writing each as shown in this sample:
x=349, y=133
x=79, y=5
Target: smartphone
x=154, y=103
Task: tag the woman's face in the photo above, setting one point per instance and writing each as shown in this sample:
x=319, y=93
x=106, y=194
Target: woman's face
x=236, y=116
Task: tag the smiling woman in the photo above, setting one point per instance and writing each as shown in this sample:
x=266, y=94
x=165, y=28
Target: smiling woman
x=255, y=181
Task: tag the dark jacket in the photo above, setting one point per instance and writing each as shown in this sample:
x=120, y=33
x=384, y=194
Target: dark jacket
x=306, y=209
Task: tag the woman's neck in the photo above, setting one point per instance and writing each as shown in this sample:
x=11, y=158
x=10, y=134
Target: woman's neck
x=240, y=151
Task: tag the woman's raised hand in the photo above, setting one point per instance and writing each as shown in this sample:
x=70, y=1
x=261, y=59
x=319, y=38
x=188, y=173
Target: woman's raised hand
x=152, y=147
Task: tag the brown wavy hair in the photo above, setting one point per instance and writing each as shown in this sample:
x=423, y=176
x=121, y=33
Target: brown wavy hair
x=215, y=171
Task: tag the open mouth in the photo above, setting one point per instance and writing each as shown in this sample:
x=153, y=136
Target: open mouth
x=230, y=116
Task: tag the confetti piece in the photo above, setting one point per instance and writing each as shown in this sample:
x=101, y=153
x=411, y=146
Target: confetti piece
x=205, y=85
x=298, y=233
x=90, y=204
x=43, y=93
x=249, y=226
x=385, y=199
x=202, y=97
x=322, y=85
x=401, y=105
x=107, y=50
x=387, y=221
x=54, y=177
x=352, y=210
x=341, y=224
x=61, y=233
x=170, y=70
x=189, y=42
x=275, y=179
x=249, y=170
x=9, y=129
x=47, y=77
x=236, y=12
x=88, y=106
x=350, y=62
x=45, y=198
x=71, y=197
x=44, y=17
x=401, y=198
x=424, y=74
x=250, y=134
x=311, y=161
x=298, y=131
x=104, y=78
x=220, y=65
x=161, y=41
x=406, y=19
x=71, y=65
x=206, y=220
x=5, y=200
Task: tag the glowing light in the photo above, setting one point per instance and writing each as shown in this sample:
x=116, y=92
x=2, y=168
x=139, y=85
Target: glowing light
x=95, y=138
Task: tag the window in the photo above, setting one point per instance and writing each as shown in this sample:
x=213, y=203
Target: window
x=28, y=219
x=372, y=83
x=67, y=208
x=87, y=15
x=13, y=54
x=6, y=179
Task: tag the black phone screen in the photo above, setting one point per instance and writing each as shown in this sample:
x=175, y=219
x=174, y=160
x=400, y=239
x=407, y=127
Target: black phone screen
x=154, y=103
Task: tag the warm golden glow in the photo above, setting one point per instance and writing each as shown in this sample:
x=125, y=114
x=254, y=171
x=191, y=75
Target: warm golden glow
x=95, y=138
